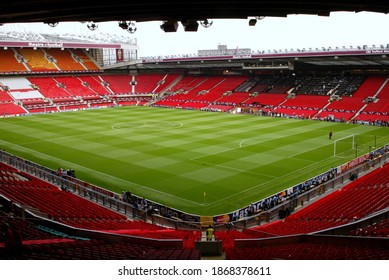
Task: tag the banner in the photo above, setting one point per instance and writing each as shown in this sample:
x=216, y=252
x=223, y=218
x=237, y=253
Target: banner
x=119, y=55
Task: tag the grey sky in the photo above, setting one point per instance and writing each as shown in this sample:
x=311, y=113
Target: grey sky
x=295, y=31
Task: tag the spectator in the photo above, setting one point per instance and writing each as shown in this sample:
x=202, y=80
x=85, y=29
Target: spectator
x=210, y=233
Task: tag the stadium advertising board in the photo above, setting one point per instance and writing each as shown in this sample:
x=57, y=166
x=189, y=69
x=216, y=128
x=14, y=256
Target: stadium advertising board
x=363, y=159
x=58, y=45
x=349, y=165
x=276, y=199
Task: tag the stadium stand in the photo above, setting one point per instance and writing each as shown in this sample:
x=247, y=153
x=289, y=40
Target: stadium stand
x=65, y=61
x=348, y=106
x=377, y=106
x=119, y=84
x=149, y=83
x=44, y=243
x=360, y=198
x=185, y=84
x=378, y=229
x=66, y=208
x=266, y=100
x=303, y=105
x=49, y=87
x=310, y=248
x=76, y=87
x=84, y=59
x=95, y=84
x=11, y=109
x=364, y=196
x=334, y=96
x=9, y=63
x=4, y=96
x=38, y=61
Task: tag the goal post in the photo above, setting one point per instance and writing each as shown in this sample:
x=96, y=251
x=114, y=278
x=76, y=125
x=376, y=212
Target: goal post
x=344, y=144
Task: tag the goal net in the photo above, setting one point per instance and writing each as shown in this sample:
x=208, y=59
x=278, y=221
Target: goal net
x=344, y=145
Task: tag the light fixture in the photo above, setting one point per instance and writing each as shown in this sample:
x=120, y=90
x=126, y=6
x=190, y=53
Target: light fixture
x=253, y=20
x=131, y=28
x=127, y=25
x=123, y=24
x=92, y=25
x=52, y=23
x=190, y=25
x=206, y=23
x=169, y=26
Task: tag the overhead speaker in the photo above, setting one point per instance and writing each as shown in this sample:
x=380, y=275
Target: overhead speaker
x=252, y=22
x=169, y=26
x=190, y=25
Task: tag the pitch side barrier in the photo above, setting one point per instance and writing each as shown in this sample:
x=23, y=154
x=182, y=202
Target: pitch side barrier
x=265, y=210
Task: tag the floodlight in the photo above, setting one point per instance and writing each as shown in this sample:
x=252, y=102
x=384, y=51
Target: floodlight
x=131, y=28
x=92, y=26
x=206, y=23
x=52, y=23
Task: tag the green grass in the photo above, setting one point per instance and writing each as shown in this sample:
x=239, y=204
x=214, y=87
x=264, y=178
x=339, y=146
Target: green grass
x=174, y=156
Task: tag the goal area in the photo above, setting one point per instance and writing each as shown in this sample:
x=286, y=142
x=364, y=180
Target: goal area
x=344, y=145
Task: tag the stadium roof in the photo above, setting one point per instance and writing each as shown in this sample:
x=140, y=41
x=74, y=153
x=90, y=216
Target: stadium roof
x=359, y=57
x=18, y=11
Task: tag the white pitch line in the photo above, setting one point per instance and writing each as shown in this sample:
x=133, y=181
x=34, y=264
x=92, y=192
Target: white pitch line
x=117, y=126
x=241, y=142
x=235, y=169
x=54, y=139
x=266, y=183
x=240, y=146
x=104, y=174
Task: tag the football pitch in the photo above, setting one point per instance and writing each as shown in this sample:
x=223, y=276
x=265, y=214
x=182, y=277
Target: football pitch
x=199, y=162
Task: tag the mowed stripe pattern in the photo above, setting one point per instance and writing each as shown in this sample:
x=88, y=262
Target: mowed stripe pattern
x=200, y=162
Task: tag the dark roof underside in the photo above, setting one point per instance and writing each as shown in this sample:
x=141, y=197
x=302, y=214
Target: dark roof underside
x=159, y=10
